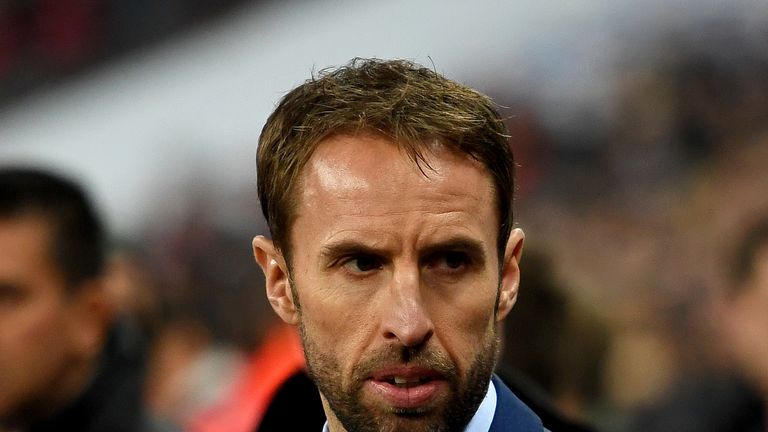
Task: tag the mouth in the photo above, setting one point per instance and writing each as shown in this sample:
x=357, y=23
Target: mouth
x=407, y=382
x=408, y=387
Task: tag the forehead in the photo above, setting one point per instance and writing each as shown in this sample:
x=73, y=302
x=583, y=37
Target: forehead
x=366, y=177
x=357, y=163
x=26, y=229
x=25, y=241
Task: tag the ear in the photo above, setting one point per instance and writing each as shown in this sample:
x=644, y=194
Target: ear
x=278, y=283
x=91, y=314
x=510, y=273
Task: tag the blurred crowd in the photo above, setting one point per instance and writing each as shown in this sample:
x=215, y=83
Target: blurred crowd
x=644, y=222
x=644, y=290
x=43, y=41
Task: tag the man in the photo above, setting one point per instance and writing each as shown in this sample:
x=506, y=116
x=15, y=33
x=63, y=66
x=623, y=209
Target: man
x=387, y=189
x=63, y=365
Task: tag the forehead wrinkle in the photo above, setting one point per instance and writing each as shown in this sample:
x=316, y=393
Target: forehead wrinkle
x=431, y=201
x=413, y=235
x=382, y=236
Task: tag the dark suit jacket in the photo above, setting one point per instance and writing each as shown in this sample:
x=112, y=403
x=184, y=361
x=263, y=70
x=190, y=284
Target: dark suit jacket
x=539, y=402
x=711, y=402
x=511, y=414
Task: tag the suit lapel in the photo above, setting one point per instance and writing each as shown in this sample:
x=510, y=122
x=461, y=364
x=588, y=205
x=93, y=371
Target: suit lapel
x=511, y=414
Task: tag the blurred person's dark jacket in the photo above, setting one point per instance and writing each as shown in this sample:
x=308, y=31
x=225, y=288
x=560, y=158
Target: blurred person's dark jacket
x=113, y=400
x=295, y=406
x=552, y=347
x=715, y=403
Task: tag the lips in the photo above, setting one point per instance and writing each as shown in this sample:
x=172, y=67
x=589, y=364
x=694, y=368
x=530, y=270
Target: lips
x=407, y=387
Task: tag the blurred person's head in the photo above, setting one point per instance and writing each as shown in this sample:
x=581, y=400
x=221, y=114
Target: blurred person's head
x=53, y=311
x=208, y=308
x=744, y=318
x=388, y=192
x=133, y=287
x=552, y=341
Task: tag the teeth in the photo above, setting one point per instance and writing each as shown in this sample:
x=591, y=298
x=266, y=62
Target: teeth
x=407, y=381
x=402, y=381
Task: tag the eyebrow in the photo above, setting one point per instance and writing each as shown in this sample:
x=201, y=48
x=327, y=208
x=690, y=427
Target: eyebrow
x=461, y=244
x=12, y=288
x=351, y=247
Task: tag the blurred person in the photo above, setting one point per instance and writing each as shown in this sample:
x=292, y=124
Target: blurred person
x=266, y=391
x=133, y=288
x=732, y=395
x=387, y=189
x=66, y=364
x=744, y=317
x=553, y=351
x=219, y=357
x=195, y=353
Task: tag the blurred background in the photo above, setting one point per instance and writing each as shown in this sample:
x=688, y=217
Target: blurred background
x=640, y=128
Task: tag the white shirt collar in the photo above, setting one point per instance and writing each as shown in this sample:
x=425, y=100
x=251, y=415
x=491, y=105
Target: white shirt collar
x=483, y=417
x=481, y=421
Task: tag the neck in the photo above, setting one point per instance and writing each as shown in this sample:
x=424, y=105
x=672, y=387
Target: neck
x=334, y=425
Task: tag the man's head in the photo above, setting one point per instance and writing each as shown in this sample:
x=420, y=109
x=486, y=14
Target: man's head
x=53, y=311
x=410, y=105
x=388, y=191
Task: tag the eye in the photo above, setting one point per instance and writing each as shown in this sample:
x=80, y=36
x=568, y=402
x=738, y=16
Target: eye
x=11, y=294
x=362, y=263
x=455, y=260
x=450, y=261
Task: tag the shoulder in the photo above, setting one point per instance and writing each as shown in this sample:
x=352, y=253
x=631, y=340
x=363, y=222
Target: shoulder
x=540, y=403
x=511, y=413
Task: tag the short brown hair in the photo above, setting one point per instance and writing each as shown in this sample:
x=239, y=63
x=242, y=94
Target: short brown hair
x=401, y=100
x=77, y=245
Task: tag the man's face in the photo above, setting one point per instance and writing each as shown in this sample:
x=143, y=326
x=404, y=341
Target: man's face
x=397, y=275
x=36, y=350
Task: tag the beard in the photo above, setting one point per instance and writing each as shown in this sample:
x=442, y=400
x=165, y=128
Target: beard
x=452, y=414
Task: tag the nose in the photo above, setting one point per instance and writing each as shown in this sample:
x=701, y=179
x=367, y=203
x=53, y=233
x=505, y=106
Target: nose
x=405, y=317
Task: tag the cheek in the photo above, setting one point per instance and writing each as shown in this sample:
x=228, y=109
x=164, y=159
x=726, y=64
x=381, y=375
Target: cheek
x=335, y=308
x=465, y=325
x=32, y=349
x=38, y=334
x=338, y=323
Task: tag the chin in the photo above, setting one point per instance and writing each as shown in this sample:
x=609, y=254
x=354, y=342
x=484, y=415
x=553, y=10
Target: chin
x=411, y=424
